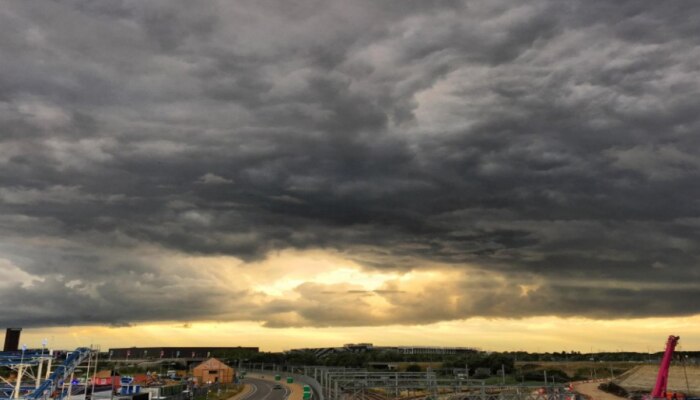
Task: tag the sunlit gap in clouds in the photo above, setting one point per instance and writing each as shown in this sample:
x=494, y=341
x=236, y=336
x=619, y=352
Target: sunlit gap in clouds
x=283, y=271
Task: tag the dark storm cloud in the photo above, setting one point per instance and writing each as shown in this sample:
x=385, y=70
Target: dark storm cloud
x=552, y=143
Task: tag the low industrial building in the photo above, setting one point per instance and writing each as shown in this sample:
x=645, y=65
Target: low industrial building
x=149, y=353
x=323, y=352
x=433, y=350
x=213, y=371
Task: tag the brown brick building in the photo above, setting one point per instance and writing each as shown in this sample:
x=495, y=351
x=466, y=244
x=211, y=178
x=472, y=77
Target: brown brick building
x=213, y=371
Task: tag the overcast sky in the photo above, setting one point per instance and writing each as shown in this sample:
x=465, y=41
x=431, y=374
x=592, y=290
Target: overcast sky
x=315, y=163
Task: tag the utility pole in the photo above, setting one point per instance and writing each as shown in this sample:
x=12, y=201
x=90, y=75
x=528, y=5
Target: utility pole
x=70, y=385
x=94, y=373
x=111, y=379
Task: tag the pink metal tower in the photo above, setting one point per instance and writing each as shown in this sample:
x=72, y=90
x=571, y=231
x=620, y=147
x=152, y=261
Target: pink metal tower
x=662, y=378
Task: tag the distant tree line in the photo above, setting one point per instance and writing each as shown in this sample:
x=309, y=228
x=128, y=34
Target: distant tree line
x=599, y=356
x=491, y=361
x=477, y=359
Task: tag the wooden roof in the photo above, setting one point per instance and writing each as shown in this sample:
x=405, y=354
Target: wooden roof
x=213, y=364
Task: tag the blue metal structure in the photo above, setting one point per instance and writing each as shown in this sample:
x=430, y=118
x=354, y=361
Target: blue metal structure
x=59, y=375
x=52, y=386
x=20, y=361
x=8, y=359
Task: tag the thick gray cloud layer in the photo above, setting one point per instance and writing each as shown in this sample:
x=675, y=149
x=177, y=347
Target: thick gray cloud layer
x=548, y=142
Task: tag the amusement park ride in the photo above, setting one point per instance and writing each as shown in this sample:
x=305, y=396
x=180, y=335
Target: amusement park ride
x=34, y=379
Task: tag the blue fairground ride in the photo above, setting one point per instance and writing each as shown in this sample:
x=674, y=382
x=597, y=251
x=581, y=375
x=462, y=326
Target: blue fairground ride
x=32, y=378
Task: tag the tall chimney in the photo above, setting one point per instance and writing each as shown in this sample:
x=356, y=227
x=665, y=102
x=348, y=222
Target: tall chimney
x=12, y=339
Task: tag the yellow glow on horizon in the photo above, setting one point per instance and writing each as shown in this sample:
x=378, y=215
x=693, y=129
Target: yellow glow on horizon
x=280, y=275
x=529, y=334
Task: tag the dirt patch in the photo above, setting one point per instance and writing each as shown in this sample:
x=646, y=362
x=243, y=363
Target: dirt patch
x=591, y=391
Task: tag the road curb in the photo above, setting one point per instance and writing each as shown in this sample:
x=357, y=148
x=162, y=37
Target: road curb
x=247, y=389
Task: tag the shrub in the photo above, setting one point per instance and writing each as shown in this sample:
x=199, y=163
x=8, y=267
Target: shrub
x=413, y=368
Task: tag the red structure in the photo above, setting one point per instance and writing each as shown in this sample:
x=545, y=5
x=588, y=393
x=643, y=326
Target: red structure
x=106, y=378
x=662, y=378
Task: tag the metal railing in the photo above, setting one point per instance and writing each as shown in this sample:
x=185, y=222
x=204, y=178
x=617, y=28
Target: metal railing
x=202, y=392
x=338, y=383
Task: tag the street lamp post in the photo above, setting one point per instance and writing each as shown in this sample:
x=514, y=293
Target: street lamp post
x=41, y=364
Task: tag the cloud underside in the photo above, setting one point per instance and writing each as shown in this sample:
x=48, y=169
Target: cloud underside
x=526, y=159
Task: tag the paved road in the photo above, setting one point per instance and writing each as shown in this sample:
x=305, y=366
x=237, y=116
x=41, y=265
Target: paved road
x=263, y=390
